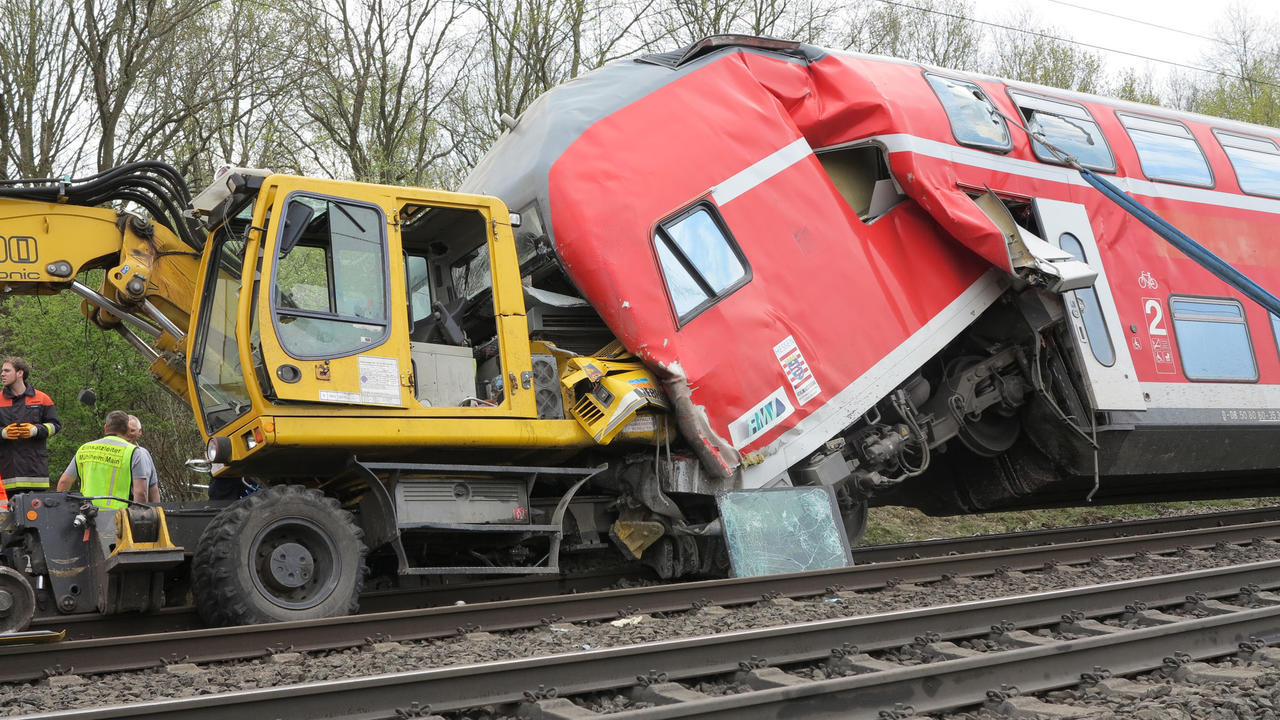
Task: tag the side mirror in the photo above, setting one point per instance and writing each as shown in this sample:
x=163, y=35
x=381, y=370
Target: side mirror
x=296, y=218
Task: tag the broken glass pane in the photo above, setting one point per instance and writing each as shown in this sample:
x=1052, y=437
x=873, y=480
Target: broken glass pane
x=783, y=530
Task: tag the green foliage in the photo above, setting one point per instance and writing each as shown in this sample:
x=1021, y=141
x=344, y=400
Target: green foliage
x=67, y=353
x=901, y=524
x=1135, y=87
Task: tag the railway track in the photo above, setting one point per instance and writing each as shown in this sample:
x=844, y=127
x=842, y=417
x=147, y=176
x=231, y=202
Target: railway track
x=182, y=619
x=85, y=627
x=116, y=654
x=845, y=668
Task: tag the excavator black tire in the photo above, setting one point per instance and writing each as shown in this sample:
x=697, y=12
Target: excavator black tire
x=284, y=553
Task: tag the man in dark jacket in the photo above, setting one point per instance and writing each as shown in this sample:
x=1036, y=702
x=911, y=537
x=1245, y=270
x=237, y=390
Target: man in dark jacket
x=27, y=420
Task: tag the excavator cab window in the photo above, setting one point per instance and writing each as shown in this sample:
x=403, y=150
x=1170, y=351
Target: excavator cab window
x=215, y=359
x=330, y=295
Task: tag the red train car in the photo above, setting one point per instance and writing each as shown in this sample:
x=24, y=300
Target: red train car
x=864, y=272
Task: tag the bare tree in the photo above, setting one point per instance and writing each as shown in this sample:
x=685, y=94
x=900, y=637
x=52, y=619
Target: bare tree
x=1247, y=62
x=532, y=45
x=242, y=50
x=1037, y=55
x=683, y=22
x=42, y=83
x=127, y=48
x=374, y=75
x=935, y=32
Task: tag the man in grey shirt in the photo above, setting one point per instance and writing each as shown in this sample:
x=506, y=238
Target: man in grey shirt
x=153, y=478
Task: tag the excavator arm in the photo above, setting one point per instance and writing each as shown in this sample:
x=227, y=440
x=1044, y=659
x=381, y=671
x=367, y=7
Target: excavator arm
x=51, y=232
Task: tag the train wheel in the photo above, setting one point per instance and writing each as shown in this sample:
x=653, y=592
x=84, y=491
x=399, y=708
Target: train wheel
x=284, y=553
x=17, y=601
x=855, y=520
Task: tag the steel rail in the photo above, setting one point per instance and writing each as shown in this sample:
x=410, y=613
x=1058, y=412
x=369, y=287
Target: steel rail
x=934, y=686
x=208, y=645
x=182, y=619
x=952, y=684
x=86, y=626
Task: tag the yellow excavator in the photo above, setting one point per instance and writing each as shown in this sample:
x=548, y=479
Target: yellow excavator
x=368, y=359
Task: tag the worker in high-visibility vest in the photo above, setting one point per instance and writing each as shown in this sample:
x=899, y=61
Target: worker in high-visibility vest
x=108, y=467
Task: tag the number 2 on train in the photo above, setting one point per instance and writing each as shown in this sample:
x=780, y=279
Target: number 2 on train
x=1152, y=308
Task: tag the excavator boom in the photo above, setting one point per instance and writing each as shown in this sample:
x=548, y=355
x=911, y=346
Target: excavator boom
x=53, y=232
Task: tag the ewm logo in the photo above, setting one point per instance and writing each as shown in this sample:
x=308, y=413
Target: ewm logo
x=766, y=414
x=19, y=249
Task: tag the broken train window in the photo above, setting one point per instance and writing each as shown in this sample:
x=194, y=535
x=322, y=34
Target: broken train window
x=974, y=120
x=700, y=261
x=1068, y=126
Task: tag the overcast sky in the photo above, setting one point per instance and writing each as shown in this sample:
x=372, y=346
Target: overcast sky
x=1088, y=21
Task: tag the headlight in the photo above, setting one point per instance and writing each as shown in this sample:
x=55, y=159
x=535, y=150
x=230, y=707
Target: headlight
x=218, y=450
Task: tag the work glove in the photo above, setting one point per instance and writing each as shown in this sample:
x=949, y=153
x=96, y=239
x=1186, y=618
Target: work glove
x=18, y=431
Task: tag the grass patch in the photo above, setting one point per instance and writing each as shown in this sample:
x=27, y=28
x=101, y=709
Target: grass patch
x=900, y=524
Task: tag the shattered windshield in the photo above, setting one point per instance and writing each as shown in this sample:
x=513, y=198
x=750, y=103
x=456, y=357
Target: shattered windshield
x=974, y=120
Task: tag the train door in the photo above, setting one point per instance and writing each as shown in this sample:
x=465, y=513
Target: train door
x=1098, y=337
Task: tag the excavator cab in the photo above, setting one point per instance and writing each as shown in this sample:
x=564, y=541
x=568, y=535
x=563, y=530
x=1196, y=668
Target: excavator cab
x=357, y=315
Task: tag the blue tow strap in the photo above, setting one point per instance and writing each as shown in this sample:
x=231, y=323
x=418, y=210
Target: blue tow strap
x=1192, y=249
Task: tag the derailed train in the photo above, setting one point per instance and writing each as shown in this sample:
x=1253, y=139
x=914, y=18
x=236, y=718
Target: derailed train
x=745, y=264
x=844, y=266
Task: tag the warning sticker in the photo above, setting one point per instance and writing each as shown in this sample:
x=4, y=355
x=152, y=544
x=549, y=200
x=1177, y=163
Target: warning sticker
x=379, y=380
x=797, y=370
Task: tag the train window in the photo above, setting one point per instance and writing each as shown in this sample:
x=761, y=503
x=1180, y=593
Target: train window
x=1167, y=151
x=974, y=120
x=1068, y=127
x=1213, y=339
x=700, y=261
x=1255, y=160
x=1086, y=299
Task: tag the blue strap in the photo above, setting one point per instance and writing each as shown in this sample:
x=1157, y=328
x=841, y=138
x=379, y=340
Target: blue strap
x=1192, y=249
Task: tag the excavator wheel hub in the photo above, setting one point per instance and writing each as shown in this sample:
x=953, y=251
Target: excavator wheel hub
x=291, y=566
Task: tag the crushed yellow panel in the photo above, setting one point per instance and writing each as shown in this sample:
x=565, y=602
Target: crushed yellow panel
x=637, y=535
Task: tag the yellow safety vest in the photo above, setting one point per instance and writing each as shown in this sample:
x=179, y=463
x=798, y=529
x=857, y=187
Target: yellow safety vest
x=105, y=469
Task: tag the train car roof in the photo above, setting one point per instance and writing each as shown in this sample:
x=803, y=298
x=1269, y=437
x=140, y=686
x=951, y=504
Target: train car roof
x=517, y=166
